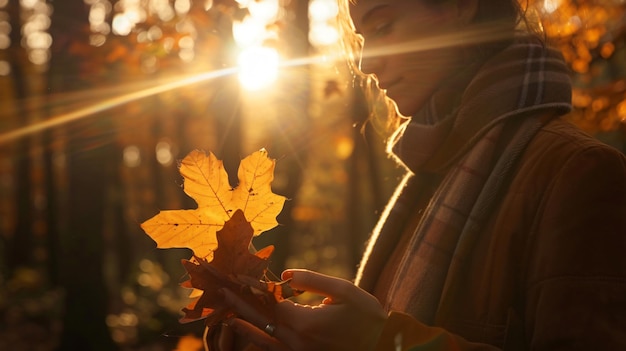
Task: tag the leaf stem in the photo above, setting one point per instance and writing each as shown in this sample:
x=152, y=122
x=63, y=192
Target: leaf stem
x=205, y=335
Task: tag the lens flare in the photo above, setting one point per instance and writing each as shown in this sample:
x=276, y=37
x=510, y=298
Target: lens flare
x=105, y=104
x=258, y=67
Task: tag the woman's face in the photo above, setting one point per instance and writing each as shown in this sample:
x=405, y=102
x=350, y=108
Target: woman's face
x=411, y=76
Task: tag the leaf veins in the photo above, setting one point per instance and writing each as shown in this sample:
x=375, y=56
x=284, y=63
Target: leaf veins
x=206, y=181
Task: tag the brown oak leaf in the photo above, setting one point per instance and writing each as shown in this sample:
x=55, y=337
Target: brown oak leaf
x=233, y=267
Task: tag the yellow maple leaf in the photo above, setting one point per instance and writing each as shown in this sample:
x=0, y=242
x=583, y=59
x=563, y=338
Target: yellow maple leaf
x=206, y=181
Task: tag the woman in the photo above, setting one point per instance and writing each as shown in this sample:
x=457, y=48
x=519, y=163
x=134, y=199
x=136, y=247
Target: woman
x=509, y=230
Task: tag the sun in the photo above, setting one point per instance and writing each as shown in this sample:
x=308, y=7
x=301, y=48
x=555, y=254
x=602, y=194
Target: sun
x=258, y=67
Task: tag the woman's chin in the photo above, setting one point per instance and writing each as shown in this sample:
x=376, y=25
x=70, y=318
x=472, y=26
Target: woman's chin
x=410, y=107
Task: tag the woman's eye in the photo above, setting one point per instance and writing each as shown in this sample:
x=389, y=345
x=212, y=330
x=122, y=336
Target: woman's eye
x=382, y=29
x=378, y=21
x=378, y=30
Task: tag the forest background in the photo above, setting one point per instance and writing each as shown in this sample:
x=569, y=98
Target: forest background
x=99, y=99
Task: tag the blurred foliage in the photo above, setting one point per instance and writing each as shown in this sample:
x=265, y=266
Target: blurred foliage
x=592, y=36
x=153, y=46
x=31, y=312
x=149, y=309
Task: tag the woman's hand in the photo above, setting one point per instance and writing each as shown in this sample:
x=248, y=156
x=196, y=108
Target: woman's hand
x=348, y=319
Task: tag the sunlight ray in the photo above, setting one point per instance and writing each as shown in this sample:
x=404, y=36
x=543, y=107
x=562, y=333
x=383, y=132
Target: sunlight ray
x=110, y=103
x=484, y=33
x=479, y=34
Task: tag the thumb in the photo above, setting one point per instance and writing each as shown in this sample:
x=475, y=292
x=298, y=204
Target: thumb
x=338, y=289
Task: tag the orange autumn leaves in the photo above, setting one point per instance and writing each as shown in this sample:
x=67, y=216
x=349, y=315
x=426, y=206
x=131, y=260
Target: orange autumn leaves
x=220, y=231
x=206, y=181
x=233, y=267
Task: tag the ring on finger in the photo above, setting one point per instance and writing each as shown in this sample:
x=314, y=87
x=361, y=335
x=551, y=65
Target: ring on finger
x=270, y=329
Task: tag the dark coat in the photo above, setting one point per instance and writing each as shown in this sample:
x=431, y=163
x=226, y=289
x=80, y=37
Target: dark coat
x=548, y=272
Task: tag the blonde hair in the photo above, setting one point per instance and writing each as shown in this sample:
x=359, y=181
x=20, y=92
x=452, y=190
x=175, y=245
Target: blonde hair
x=383, y=114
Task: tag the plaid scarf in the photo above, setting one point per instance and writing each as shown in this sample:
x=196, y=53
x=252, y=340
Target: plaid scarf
x=476, y=146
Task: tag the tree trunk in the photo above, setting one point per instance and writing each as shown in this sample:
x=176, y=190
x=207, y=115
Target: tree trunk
x=88, y=155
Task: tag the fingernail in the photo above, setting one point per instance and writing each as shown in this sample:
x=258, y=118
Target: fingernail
x=286, y=275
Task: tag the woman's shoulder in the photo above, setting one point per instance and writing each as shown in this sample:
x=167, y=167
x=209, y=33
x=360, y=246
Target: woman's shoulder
x=560, y=133
x=562, y=152
x=560, y=141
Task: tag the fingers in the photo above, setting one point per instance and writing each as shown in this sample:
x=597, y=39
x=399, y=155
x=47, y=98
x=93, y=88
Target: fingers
x=337, y=289
x=256, y=336
x=253, y=324
x=225, y=339
x=244, y=309
x=252, y=315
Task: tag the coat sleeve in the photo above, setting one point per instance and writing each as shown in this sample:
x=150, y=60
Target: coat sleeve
x=575, y=295
x=403, y=332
